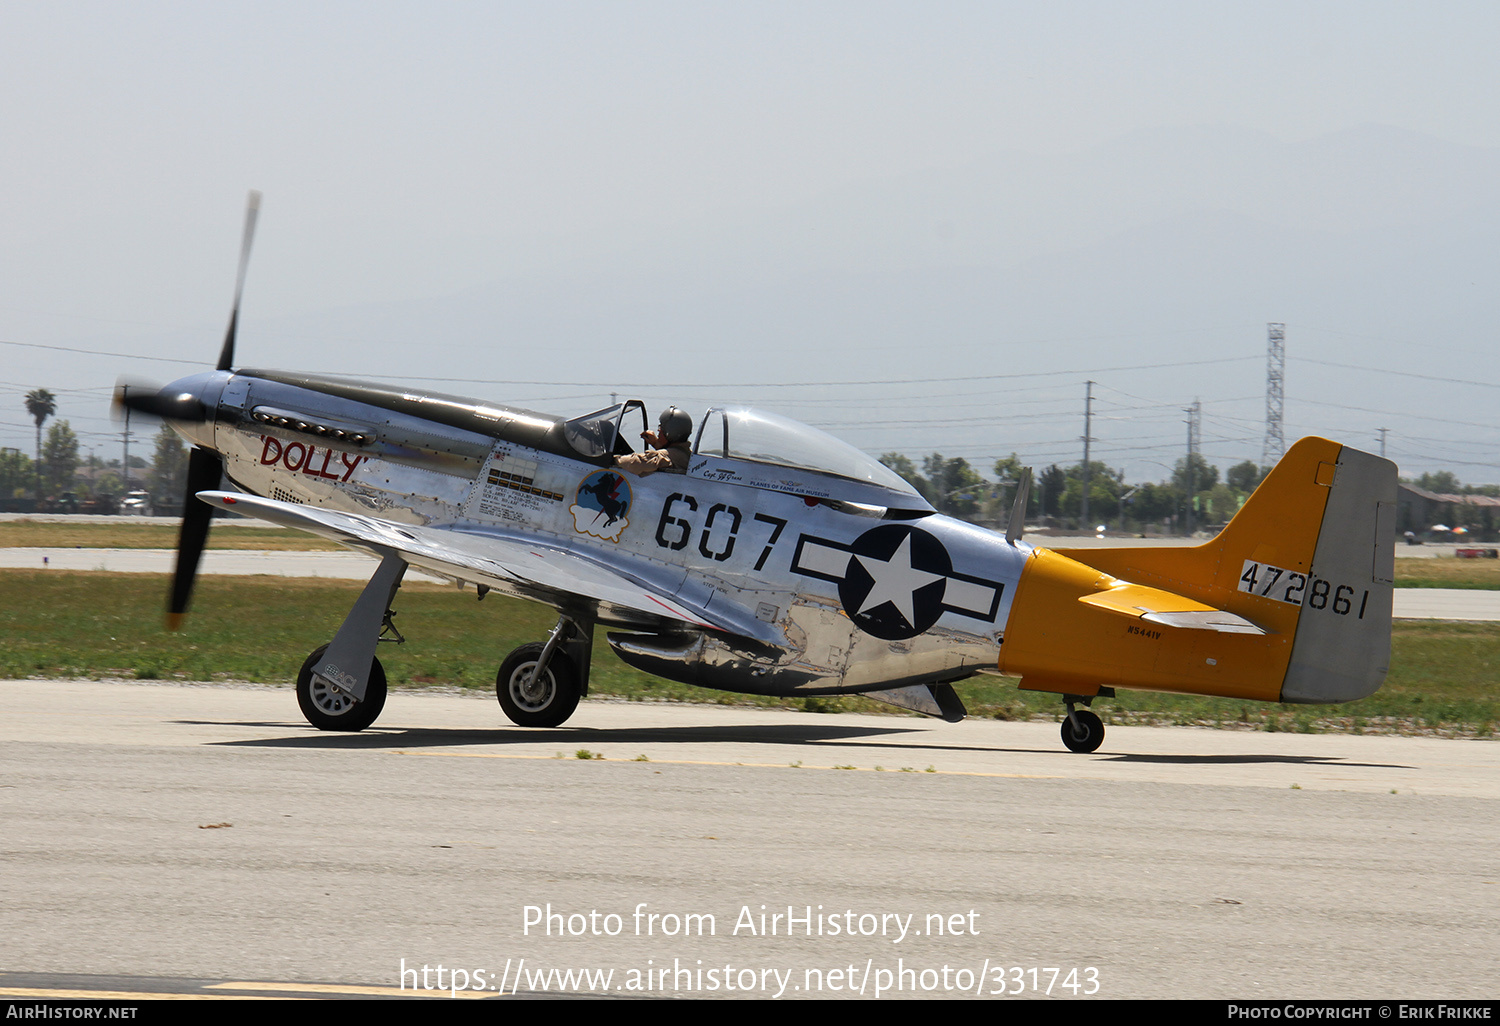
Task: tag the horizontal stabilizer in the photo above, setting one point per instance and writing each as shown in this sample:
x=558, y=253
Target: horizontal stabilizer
x=1169, y=610
x=1206, y=620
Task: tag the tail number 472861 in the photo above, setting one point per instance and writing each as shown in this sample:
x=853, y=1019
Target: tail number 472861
x=1299, y=589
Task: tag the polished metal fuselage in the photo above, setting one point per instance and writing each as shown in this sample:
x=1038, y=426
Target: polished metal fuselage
x=831, y=593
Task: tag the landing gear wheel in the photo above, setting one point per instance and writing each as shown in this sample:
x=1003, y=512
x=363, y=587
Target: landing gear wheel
x=1083, y=731
x=330, y=709
x=550, y=701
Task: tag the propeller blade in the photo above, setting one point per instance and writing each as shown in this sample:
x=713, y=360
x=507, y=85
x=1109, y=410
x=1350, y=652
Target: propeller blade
x=205, y=468
x=140, y=397
x=252, y=209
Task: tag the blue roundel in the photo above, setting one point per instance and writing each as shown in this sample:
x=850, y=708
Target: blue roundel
x=895, y=582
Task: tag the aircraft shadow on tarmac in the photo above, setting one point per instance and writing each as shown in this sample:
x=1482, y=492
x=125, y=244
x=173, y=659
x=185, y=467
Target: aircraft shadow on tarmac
x=441, y=737
x=818, y=735
x=1228, y=760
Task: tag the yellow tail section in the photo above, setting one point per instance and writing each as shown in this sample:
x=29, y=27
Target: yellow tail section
x=1290, y=602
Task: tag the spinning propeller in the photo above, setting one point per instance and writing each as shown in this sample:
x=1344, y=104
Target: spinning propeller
x=180, y=402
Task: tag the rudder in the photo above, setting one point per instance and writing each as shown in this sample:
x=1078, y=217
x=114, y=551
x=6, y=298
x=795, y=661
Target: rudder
x=1343, y=645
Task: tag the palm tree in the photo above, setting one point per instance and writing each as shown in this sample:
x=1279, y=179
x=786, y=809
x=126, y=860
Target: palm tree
x=41, y=404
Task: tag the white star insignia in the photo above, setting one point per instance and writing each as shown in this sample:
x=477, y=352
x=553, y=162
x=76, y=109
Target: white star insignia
x=896, y=581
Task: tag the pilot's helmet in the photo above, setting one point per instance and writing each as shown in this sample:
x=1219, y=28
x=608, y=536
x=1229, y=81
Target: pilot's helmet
x=676, y=426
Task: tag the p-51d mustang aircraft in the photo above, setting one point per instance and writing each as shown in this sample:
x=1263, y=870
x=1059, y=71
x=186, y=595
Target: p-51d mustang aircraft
x=780, y=562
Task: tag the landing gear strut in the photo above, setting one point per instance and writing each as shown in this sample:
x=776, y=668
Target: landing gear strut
x=1082, y=731
x=539, y=685
x=341, y=686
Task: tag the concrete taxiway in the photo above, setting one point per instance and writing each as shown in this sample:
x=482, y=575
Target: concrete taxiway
x=162, y=837
x=206, y=832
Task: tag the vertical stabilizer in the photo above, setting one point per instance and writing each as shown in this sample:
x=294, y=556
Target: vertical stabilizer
x=1309, y=557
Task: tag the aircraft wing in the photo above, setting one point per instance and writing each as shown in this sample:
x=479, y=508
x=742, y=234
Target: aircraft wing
x=532, y=567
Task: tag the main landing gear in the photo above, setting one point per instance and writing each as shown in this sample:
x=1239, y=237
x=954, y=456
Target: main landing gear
x=539, y=685
x=329, y=707
x=342, y=685
x=1082, y=730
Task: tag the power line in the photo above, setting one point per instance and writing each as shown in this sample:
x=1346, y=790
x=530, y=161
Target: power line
x=1401, y=373
x=95, y=352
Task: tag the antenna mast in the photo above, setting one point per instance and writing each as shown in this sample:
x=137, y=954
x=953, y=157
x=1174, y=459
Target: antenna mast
x=1275, y=444
x=1088, y=423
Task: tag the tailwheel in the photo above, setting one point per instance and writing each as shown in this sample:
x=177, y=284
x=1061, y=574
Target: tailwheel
x=1082, y=731
x=546, y=701
x=329, y=707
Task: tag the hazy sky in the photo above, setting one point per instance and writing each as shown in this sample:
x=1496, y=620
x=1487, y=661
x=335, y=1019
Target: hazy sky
x=634, y=195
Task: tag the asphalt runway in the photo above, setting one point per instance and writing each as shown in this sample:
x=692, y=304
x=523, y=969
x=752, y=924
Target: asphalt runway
x=161, y=832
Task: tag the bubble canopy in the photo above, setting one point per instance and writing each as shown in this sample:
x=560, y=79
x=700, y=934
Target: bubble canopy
x=751, y=447
x=742, y=433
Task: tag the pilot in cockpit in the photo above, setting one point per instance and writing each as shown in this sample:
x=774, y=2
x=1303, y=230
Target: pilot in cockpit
x=669, y=446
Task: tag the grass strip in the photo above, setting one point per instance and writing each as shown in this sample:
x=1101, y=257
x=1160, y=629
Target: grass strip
x=233, y=533
x=1446, y=572
x=57, y=624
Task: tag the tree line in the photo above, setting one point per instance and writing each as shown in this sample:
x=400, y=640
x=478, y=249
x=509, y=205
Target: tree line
x=1194, y=497
x=58, y=476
